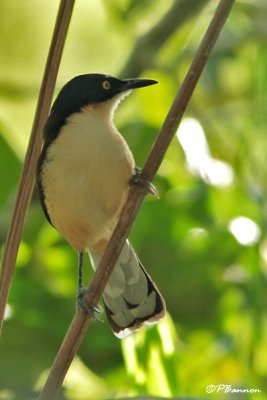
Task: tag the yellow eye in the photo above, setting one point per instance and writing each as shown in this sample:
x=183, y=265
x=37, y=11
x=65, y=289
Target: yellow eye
x=106, y=85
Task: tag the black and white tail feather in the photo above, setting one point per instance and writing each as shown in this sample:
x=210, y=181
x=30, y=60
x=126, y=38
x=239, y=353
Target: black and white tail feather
x=130, y=297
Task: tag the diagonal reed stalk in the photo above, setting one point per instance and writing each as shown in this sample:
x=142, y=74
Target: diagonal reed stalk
x=81, y=320
x=28, y=174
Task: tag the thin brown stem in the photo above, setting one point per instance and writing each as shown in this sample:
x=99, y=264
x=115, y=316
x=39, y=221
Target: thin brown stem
x=136, y=195
x=28, y=174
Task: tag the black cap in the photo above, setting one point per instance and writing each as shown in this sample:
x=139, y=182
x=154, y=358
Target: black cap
x=84, y=90
x=93, y=88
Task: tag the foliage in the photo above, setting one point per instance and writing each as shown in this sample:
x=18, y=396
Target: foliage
x=210, y=264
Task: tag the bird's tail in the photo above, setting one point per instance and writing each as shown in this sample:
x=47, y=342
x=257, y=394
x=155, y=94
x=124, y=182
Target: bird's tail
x=131, y=298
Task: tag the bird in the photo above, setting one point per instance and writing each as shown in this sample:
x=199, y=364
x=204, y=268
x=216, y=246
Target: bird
x=83, y=177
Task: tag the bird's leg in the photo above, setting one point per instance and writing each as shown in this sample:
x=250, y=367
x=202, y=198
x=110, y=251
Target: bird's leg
x=139, y=179
x=80, y=272
x=82, y=291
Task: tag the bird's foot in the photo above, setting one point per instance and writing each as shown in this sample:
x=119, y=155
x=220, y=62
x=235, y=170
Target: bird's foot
x=139, y=179
x=82, y=303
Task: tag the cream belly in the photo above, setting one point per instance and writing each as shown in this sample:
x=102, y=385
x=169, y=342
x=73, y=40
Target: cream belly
x=85, y=179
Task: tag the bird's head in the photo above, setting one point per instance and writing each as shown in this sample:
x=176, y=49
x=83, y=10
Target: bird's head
x=91, y=89
x=88, y=90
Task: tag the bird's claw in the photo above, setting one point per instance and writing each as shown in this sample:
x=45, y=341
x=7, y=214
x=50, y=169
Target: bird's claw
x=82, y=304
x=139, y=179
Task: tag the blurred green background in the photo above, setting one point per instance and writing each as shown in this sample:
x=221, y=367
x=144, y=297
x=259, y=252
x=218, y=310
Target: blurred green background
x=204, y=241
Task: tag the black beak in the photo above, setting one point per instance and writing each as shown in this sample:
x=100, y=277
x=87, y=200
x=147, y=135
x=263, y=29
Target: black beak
x=135, y=83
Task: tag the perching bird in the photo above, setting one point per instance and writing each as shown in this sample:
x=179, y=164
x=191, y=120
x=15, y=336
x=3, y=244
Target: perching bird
x=83, y=177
